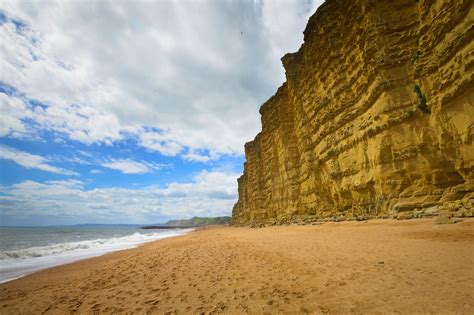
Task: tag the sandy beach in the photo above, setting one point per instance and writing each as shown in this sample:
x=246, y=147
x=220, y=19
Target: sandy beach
x=378, y=266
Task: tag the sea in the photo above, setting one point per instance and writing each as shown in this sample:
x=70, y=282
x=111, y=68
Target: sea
x=24, y=250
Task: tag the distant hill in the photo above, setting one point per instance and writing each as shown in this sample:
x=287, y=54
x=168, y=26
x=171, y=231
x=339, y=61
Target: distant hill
x=197, y=221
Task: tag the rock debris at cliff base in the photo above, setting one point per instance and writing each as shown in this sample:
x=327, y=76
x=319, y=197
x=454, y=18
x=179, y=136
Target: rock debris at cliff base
x=375, y=118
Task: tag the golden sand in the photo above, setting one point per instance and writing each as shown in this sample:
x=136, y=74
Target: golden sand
x=380, y=266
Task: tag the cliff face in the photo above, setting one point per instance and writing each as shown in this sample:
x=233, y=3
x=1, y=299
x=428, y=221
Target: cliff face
x=376, y=117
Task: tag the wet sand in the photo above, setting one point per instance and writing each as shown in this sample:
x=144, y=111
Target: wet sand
x=375, y=267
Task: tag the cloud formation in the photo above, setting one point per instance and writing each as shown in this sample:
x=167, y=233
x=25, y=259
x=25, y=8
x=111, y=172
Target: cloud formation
x=208, y=194
x=31, y=161
x=177, y=81
x=128, y=166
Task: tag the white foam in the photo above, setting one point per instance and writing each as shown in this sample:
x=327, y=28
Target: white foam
x=17, y=263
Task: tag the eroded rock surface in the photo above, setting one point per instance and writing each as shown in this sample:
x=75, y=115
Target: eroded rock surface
x=375, y=119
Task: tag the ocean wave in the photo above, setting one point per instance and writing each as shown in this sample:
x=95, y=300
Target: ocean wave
x=97, y=244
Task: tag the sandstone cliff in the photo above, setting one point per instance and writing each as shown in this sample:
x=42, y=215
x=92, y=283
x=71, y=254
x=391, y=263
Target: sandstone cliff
x=375, y=118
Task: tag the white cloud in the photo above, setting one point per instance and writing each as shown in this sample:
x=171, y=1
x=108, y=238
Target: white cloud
x=158, y=142
x=195, y=155
x=280, y=22
x=208, y=194
x=31, y=161
x=113, y=70
x=128, y=166
x=95, y=171
x=12, y=111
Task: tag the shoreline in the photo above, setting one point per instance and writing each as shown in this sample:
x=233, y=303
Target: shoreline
x=21, y=267
x=378, y=266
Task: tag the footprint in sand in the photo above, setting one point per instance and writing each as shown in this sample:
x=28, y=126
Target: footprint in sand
x=95, y=306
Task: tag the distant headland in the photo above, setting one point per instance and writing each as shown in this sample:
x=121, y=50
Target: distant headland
x=190, y=223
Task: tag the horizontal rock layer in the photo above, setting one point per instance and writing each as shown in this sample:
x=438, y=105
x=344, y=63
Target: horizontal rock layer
x=376, y=116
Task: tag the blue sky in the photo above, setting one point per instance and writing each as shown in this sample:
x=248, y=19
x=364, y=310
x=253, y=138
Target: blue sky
x=134, y=112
